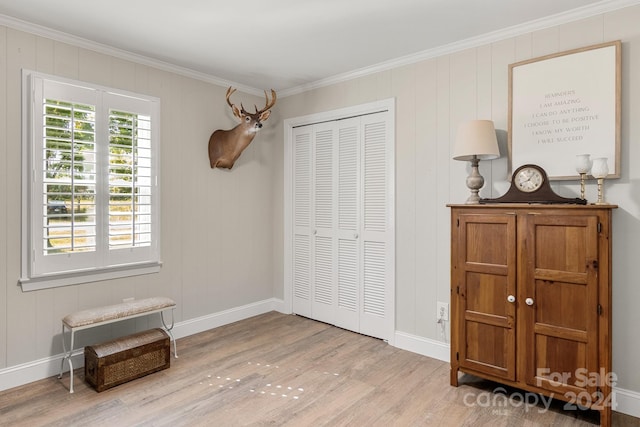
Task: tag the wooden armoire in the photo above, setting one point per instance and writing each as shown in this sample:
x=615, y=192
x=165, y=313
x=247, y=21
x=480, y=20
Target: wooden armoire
x=531, y=299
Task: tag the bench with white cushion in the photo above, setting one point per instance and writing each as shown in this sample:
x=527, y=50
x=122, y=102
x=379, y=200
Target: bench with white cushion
x=99, y=316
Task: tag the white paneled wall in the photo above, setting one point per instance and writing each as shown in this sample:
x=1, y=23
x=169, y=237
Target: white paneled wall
x=216, y=224
x=4, y=188
x=433, y=97
x=223, y=230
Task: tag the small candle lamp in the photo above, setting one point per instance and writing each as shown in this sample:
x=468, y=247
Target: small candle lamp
x=600, y=170
x=583, y=166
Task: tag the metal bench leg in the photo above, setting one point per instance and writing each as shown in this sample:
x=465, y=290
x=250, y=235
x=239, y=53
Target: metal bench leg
x=67, y=357
x=168, y=329
x=64, y=351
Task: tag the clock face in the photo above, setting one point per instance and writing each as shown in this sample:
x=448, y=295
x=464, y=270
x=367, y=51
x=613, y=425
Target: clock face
x=528, y=179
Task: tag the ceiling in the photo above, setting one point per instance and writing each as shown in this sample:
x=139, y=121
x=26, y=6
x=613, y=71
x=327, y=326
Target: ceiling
x=286, y=45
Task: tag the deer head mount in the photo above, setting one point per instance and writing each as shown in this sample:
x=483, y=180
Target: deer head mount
x=225, y=146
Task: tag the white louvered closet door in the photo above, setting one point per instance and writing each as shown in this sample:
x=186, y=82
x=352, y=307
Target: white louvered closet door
x=324, y=233
x=302, y=226
x=377, y=243
x=347, y=207
x=341, y=215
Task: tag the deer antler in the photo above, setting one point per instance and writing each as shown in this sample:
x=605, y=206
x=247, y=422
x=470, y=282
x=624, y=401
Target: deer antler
x=269, y=103
x=229, y=93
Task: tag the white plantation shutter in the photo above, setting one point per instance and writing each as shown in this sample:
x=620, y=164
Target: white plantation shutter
x=130, y=180
x=63, y=207
x=131, y=191
x=343, y=247
x=69, y=173
x=92, y=193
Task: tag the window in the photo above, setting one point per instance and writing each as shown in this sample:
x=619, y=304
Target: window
x=90, y=187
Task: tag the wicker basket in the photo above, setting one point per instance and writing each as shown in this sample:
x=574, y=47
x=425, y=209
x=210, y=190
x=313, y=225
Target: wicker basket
x=124, y=359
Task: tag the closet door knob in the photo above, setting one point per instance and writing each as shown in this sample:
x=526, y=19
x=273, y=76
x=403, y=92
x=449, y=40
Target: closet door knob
x=511, y=298
x=529, y=301
x=355, y=235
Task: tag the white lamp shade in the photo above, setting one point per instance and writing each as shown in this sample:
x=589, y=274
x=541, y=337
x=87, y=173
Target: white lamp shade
x=600, y=169
x=476, y=138
x=583, y=163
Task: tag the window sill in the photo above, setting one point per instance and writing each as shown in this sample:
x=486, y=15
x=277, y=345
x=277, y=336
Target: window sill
x=67, y=279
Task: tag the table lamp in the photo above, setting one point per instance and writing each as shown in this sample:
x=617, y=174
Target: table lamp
x=476, y=140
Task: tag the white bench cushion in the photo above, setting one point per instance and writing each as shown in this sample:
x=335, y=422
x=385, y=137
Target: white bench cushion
x=117, y=311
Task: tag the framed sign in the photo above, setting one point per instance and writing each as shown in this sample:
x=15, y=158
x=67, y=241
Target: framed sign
x=566, y=104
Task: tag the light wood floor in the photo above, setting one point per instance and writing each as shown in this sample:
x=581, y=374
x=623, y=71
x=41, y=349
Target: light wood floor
x=276, y=369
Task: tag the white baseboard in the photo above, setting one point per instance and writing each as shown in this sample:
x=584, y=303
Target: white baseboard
x=624, y=401
x=211, y=321
x=25, y=373
x=425, y=346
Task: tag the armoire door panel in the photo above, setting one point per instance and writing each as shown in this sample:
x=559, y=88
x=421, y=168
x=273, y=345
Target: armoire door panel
x=562, y=304
x=478, y=234
x=557, y=359
x=489, y=349
x=487, y=294
x=565, y=246
x=486, y=280
x=561, y=281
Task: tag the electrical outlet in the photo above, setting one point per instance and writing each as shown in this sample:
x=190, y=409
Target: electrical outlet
x=443, y=311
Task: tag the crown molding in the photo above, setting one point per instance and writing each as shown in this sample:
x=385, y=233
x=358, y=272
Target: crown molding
x=83, y=43
x=516, y=30
x=473, y=42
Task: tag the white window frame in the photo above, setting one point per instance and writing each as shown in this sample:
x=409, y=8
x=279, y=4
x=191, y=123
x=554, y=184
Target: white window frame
x=39, y=271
